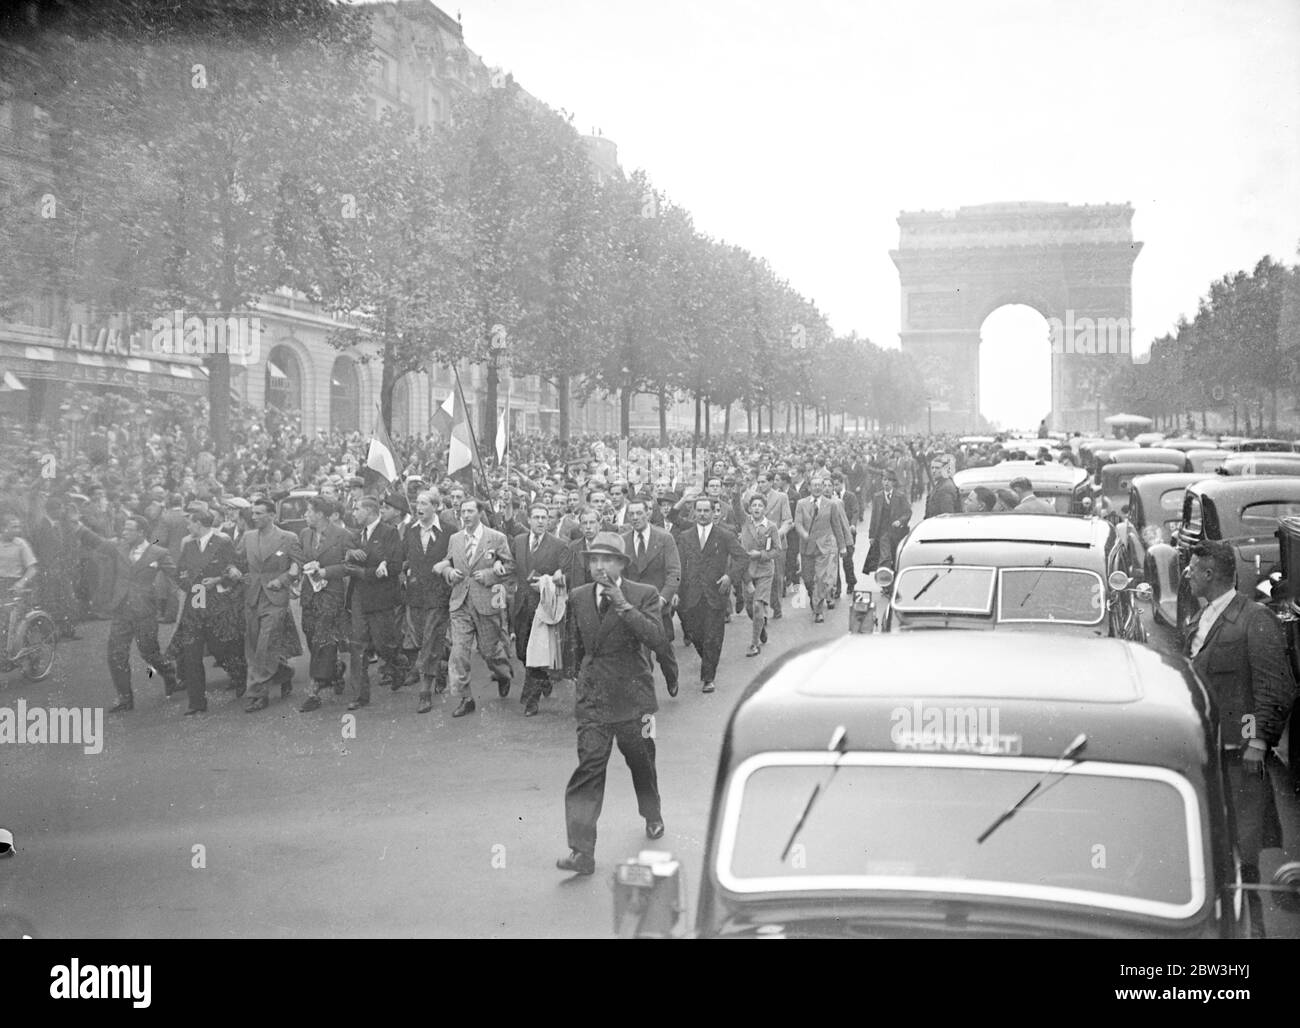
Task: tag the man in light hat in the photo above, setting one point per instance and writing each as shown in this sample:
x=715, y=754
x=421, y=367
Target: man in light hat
x=618, y=621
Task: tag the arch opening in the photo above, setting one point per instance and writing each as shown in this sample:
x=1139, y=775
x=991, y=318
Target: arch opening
x=283, y=380
x=345, y=395
x=1015, y=368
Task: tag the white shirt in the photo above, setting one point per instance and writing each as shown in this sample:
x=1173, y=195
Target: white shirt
x=428, y=532
x=620, y=515
x=1208, y=616
x=472, y=539
x=600, y=592
x=644, y=536
x=139, y=550
x=704, y=534
x=203, y=540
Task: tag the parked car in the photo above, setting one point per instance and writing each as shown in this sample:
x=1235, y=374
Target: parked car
x=1262, y=463
x=1117, y=484
x=1150, y=455
x=1207, y=461
x=1155, y=511
x=1064, y=484
x=967, y=792
x=1258, y=446
x=1149, y=439
x=291, y=510
x=1234, y=509
x=1190, y=444
x=1022, y=572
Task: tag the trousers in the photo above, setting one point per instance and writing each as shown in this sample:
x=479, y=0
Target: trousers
x=585, y=795
x=143, y=630
x=470, y=629
x=705, y=625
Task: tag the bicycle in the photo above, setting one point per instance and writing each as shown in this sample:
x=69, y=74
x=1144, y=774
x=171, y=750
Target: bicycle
x=31, y=637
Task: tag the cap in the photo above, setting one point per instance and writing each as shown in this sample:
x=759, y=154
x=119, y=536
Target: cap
x=398, y=502
x=356, y=482
x=237, y=502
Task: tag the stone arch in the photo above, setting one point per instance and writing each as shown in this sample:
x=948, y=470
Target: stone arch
x=285, y=384
x=957, y=267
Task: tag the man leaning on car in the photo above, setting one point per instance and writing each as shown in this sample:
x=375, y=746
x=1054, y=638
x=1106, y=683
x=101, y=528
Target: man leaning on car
x=1238, y=650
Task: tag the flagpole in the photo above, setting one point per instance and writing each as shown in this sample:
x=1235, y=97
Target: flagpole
x=475, y=460
x=400, y=472
x=510, y=381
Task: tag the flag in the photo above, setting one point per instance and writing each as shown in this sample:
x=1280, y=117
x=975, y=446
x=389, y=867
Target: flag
x=501, y=437
x=460, y=451
x=445, y=416
x=380, y=461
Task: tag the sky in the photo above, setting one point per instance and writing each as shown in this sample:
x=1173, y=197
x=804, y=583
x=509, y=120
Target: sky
x=800, y=131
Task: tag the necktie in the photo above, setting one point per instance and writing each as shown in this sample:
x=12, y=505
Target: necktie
x=604, y=603
x=640, y=546
x=817, y=506
x=469, y=550
x=535, y=543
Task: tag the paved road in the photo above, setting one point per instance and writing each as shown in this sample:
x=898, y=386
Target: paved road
x=418, y=826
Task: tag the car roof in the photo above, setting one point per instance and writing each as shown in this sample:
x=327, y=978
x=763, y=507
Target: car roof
x=1135, y=704
x=1134, y=467
x=1008, y=526
x=1148, y=453
x=1158, y=483
x=1224, y=487
x=1040, y=475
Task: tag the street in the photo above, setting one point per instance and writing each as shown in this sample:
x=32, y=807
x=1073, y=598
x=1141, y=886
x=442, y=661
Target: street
x=274, y=825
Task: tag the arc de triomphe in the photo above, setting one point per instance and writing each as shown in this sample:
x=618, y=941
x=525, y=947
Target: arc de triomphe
x=1074, y=265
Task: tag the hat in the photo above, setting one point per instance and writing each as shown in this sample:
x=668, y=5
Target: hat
x=194, y=505
x=356, y=482
x=398, y=502
x=237, y=502
x=607, y=544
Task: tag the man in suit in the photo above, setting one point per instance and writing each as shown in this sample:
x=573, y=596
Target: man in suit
x=372, y=564
x=133, y=606
x=536, y=553
x=891, y=513
x=712, y=558
x=576, y=572
x=781, y=482
x=477, y=566
x=618, y=514
x=267, y=561
x=428, y=595
x=618, y=620
x=1238, y=650
x=212, y=611
x=944, y=496
x=653, y=560
x=170, y=531
x=1029, y=503
x=779, y=512
x=823, y=540
x=323, y=595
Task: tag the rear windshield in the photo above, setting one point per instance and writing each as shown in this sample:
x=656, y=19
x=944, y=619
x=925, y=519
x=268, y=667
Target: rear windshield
x=1261, y=518
x=1171, y=501
x=1050, y=594
x=940, y=587
x=912, y=821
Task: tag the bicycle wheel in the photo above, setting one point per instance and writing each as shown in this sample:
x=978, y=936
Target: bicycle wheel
x=36, y=643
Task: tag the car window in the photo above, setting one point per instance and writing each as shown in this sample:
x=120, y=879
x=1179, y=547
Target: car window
x=1171, y=500
x=1070, y=595
x=880, y=824
x=1261, y=518
x=946, y=588
x=1192, y=526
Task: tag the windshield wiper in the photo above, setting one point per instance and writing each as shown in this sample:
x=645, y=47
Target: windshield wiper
x=1046, y=564
x=838, y=746
x=934, y=578
x=1080, y=741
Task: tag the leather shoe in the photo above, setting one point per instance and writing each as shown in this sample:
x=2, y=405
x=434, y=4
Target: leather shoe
x=762, y=635
x=753, y=651
x=426, y=703
x=122, y=706
x=257, y=703
x=466, y=707
x=672, y=687
x=707, y=687
x=530, y=708
x=503, y=687
x=309, y=704
x=546, y=687
x=578, y=863
x=818, y=619
x=196, y=710
x=654, y=829
x=359, y=702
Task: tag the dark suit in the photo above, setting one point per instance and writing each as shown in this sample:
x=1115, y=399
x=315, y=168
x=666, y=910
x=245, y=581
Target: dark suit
x=1243, y=663
x=170, y=532
x=615, y=703
x=944, y=498
x=324, y=616
x=133, y=606
x=372, y=601
x=883, y=533
x=211, y=616
x=703, y=605
x=427, y=599
x=660, y=566
x=551, y=556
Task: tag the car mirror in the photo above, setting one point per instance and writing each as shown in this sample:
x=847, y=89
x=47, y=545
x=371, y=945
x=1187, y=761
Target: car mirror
x=1119, y=581
x=650, y=897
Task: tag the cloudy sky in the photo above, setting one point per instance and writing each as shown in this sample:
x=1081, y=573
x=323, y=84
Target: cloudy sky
x=800, y=130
